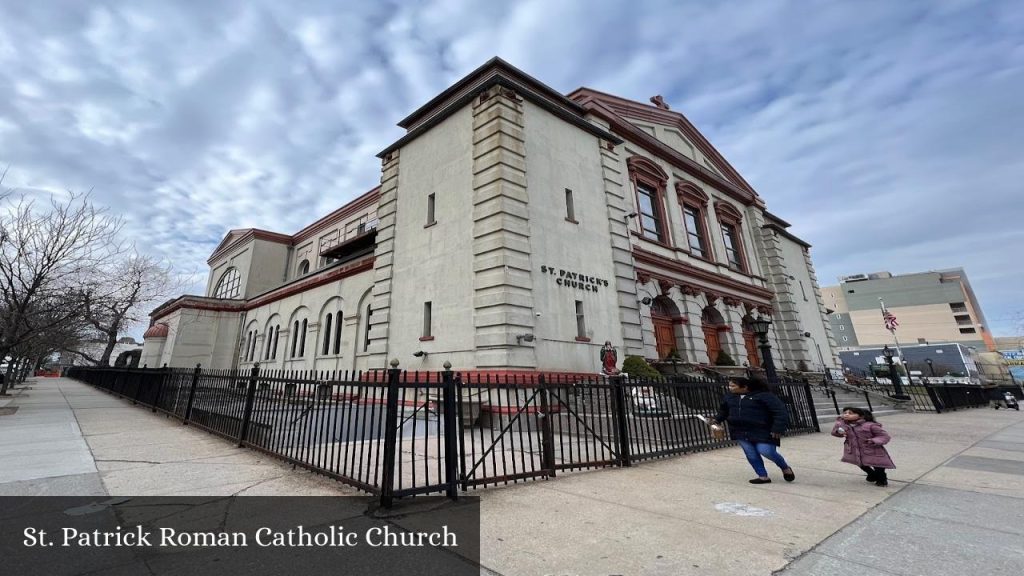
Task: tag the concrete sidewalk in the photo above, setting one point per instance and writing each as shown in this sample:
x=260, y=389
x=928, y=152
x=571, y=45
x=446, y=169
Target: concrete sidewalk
x=959, y=490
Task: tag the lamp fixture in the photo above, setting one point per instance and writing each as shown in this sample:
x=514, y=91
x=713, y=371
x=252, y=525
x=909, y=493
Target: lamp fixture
x=520, y=338
x=761, y=326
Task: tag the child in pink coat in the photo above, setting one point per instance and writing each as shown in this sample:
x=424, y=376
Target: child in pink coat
x=865, y=443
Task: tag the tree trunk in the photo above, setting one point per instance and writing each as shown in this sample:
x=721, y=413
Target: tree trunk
x=109, y=349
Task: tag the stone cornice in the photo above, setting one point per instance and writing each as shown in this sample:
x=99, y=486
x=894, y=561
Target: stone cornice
x=649, y=264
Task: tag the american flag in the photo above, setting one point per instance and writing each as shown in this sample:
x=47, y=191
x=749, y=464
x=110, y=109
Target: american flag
x=890, y=321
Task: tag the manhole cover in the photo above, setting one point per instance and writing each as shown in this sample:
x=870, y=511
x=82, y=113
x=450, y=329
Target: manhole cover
x=8, y=410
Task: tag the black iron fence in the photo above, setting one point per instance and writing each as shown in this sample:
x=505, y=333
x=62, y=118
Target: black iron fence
x=395, y=433
x=934, y=396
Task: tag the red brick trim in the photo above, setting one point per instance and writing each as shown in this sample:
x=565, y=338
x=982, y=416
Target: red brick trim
x=621, y=107
x=426, y=338
x=306, y=283
x=582, y=339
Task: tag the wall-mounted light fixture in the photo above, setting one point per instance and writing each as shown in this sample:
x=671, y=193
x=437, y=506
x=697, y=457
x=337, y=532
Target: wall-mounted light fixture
x=520, y=338
x=419, y=354
x=646, y=300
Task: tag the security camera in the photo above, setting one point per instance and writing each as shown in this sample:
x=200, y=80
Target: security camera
x=419, y=354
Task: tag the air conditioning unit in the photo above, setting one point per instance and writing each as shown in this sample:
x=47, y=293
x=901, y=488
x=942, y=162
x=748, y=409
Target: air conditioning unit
x=853, y=277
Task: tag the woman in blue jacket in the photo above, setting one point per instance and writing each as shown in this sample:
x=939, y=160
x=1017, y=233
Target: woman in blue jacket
x=757, y=420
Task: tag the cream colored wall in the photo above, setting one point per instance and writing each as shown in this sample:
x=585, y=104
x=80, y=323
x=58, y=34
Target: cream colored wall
x=199, y=337
x=933, y=322
x=434, y=263
x=811, y=318
x=313, y=305
x=267, y=268
x=560, y=156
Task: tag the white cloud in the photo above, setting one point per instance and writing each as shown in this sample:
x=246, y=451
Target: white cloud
x=887, y=133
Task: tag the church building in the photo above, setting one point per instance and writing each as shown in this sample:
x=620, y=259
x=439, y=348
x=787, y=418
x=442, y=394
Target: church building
x=515, y=229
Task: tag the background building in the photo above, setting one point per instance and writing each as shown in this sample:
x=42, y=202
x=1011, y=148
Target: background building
x=515, y=228
x=931, y=307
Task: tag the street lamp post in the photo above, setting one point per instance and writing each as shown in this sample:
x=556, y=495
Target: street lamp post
x=760, y=327
x=931, y=367
x=896, y=380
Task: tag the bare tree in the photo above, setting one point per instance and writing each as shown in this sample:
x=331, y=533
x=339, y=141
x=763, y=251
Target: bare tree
x=46, y=256
x=120, y=295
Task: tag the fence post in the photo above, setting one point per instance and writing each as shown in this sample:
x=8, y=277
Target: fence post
x=250, y=397
x=934, y=398
x=451, y=432
x=622, y=425
x=191, y=394
x=547, y=436
x=387, y=488
x=868, y=400
x=159, y=386
x=810, y=403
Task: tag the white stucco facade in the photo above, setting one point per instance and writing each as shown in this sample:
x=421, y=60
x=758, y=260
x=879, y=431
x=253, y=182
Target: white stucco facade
x=514, y=228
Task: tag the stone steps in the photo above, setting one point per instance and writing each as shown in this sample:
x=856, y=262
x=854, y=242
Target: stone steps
x=826, y=410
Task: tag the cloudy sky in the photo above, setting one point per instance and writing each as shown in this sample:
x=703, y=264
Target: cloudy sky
x=890, y=133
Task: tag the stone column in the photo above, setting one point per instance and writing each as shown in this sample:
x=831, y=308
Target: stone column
x=502, y=280
x=383, y=263
x=649, y=345
x=792, y=345
x=733, y=342
x=622, y=256
x=696, y=349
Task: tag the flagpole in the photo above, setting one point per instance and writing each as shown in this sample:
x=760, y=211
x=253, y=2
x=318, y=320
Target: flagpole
x=893, y=331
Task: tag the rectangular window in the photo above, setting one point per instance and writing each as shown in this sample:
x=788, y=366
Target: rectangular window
x=581, y=322
x=802, y=290
x=570, y=209
x=732, y=247
x=958, y=307
x=430, y=210
x=426, y=320
x=967, y=331
x=650, y=219
x=693, y=219
x=963, y=320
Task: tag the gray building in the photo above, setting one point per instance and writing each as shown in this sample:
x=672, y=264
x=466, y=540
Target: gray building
x=931, y=307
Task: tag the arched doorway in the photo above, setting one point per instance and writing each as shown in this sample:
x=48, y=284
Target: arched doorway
x=665, y=315
x=713, y=323
x=750, y=342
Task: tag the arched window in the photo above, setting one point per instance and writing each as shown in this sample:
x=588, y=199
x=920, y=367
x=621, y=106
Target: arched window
x=649, y=183
x=277, y=334
x=303, y=267
x=229, y=285
x=302, y=341
x=295, y=338
x=327, y=334
x=337, y=334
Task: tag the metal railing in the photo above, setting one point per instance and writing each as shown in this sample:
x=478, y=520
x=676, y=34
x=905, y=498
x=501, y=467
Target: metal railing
x=394, y=433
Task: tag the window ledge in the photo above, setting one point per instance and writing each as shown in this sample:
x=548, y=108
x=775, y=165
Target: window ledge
x=572, y=221
x=429, y=224
x=651, y=240
x=426, y=338
x=582, y=339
